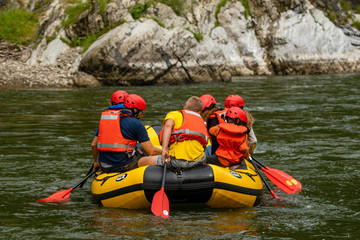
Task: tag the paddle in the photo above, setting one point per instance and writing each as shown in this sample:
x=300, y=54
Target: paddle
x=281, y=179
x=160, y=202
x=63, y=196
x=90, y=170
x=263, y=179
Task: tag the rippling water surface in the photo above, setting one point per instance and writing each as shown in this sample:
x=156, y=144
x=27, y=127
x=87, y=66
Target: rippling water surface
x=307, y=126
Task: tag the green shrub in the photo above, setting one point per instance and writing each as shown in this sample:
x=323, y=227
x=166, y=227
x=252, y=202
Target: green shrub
x=18, y=26
x=86, y=42
x=356, y=25
x=222, y=3
x=358, y=9
x=176, y=5
x=137, y=10
x=161, y=24
x=103, y=4
x=198, y=35
x=346, y=5
x=217, y=11
x=331, y=15
x=74, y=12
x=245, y=3
x=49, y=39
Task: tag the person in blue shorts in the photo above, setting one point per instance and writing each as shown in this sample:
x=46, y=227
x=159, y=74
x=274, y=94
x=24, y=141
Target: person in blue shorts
x=119, y=132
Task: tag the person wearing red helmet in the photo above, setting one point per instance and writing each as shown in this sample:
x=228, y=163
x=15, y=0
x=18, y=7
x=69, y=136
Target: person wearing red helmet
x=232, y=137
x=135, y=104
x=184, y=138
x=208, y=101
x=118, y=97
x=118, y=134
x=219, y=117
x=209, y=106
x=116, y=103
x=234, y=101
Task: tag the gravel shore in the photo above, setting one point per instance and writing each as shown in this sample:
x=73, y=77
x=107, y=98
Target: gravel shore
x=16, y=73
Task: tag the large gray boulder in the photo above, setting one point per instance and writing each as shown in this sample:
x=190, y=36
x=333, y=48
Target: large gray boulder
x=206, y=43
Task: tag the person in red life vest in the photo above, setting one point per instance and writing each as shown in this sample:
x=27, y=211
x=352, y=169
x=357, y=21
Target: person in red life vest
x=119, y=132
x=219, y=117
x=183, y=138
x=232, y=136
x=117, y=102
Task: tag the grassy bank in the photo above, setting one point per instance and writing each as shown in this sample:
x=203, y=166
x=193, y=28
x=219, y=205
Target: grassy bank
x=18, y=26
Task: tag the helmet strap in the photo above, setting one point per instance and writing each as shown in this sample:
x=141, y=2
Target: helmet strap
x=135, y=112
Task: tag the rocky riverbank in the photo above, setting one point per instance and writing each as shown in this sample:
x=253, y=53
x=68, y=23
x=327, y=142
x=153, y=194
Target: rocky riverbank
x=17, y=73
x=208, y=41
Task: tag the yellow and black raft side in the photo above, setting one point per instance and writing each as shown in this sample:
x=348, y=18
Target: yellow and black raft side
x=216, y=186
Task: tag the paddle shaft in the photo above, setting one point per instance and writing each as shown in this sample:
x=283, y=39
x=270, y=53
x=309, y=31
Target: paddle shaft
x=262, y=178
x=258, y=162
x=163, y=180
x=65, y=194
x=80, y=183
x=84, y=180
x=90, y=170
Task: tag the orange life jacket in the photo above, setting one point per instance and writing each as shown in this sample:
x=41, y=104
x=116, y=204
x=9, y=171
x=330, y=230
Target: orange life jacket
x=192, y=128
x=110, y=138
x=220, y=115
x=233, y=144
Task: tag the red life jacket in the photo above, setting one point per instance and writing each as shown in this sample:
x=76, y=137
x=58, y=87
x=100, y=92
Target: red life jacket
x=192, y=128
x=233, y=144
x=110, y=138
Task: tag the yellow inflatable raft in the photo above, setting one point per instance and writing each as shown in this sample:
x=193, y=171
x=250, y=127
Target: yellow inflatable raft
x=216, y=186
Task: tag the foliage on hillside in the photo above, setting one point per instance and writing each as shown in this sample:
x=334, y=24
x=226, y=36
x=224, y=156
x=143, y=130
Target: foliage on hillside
x=20, y=26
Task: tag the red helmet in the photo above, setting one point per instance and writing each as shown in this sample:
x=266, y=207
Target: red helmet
x=135, y=101
x=235, y=112
x=118, y=97
x=234, y=101
x=207, y=100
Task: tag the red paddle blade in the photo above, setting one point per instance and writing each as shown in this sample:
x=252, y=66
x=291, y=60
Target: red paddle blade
x=61, y=196
x=283, y=180
x=290, y=179
x=160, y=204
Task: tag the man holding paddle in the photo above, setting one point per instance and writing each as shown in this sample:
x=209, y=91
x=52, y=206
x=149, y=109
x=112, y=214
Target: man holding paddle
x=183, y=138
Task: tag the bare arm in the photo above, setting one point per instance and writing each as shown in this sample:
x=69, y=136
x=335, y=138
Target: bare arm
x=150, y=149
x=168, y=126
x=95, y=153
x=252, y=141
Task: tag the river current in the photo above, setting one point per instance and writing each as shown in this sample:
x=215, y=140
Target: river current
x=306, y=126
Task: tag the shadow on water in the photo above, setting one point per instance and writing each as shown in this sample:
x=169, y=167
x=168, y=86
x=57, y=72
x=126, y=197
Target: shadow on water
x=307, y=126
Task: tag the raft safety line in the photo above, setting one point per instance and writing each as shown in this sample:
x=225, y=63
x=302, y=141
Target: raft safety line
x=185, y=187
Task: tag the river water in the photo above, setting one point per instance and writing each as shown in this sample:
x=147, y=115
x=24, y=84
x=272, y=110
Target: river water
x=307, y=126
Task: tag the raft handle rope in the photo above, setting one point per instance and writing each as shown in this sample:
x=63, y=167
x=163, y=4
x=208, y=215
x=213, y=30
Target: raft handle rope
x=105, y=178
x=248, y=174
